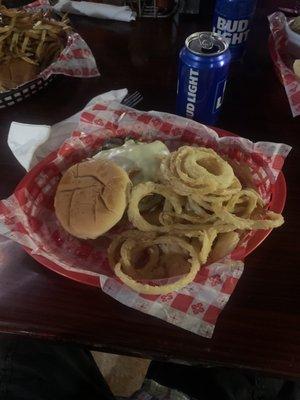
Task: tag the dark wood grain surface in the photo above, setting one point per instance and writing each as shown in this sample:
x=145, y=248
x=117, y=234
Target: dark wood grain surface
x=260, y=327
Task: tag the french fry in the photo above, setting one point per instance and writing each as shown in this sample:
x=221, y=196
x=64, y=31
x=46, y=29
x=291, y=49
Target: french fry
x=35, y=38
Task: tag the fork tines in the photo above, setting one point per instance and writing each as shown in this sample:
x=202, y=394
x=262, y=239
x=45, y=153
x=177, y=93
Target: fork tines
x=133, y=99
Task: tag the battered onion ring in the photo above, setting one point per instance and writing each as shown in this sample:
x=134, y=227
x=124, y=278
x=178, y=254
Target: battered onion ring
x=274, y=220
x=145, y=189
x=127, y=245
x=172, y=180
x=224, y=244
x=196, y=208
x=205, y=201
x=151, y=270
x=115, y=245
x=170, y=176
x=191, y=230
x=244, y=202
x=173, y=226
x=223, y=194
x=195, y=219
x=198, y=166
x=192, y=213
x=202, y=243
x=168, y=217
x=204, y=205
x=196, y=170
x=130, y=244
x=170, y=287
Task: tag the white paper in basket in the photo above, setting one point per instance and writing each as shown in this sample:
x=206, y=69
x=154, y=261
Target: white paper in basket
x=31, y=143
x=197, y=306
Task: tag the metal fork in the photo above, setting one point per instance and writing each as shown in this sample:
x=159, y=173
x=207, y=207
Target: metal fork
x=131, y=100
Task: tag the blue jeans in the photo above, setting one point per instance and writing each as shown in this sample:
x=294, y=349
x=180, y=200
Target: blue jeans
x=41, y=370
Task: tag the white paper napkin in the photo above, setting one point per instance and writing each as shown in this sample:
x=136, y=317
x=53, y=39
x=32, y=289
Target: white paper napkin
x=96, y=10
x=31, y=143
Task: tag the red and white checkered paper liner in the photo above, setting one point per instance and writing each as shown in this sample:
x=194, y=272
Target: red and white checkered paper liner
x=38, y=5
x=75, y=60
x=28, y=216
x=278, y=51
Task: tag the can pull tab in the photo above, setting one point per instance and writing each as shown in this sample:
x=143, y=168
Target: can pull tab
x=206, y=42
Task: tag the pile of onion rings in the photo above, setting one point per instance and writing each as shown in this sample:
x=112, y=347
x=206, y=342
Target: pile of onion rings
x=199, y=211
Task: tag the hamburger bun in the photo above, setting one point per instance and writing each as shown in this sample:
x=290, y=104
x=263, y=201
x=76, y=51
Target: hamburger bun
x=91, y=198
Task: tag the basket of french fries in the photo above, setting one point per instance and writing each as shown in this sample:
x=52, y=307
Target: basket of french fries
x=156, y=210
x=285, y=56
x=34, y=46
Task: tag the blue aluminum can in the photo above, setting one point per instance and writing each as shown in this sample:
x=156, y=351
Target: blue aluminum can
x=232, y=19
x=203, y=70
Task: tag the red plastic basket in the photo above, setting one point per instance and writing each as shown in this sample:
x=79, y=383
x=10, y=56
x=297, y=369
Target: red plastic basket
x=277, y=205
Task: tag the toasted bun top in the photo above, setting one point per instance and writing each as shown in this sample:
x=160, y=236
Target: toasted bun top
x=91, y=198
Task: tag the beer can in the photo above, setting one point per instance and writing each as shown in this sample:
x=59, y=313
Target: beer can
x=203, y=70
x=232, y=19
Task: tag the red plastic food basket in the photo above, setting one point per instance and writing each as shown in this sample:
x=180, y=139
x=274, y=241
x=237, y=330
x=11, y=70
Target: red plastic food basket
x=277, y=204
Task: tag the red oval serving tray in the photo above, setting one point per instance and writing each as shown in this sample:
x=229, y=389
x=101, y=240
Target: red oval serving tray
x=277, y=204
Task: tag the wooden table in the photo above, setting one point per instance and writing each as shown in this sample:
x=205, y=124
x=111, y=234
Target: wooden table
x=260, y=327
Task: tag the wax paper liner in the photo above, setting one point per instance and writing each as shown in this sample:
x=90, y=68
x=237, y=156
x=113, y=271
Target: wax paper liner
x=283, y=62
x=28, y=216
x=75, y=60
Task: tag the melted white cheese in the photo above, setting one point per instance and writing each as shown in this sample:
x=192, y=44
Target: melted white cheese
x=140, y=160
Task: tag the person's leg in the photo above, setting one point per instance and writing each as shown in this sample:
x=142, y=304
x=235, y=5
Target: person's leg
x=289, y=391
x=39, y=370
x=209, y=383
x=193, y=381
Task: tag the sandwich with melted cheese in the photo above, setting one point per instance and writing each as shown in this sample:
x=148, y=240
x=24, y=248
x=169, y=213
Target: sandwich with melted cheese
x=92, y=195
